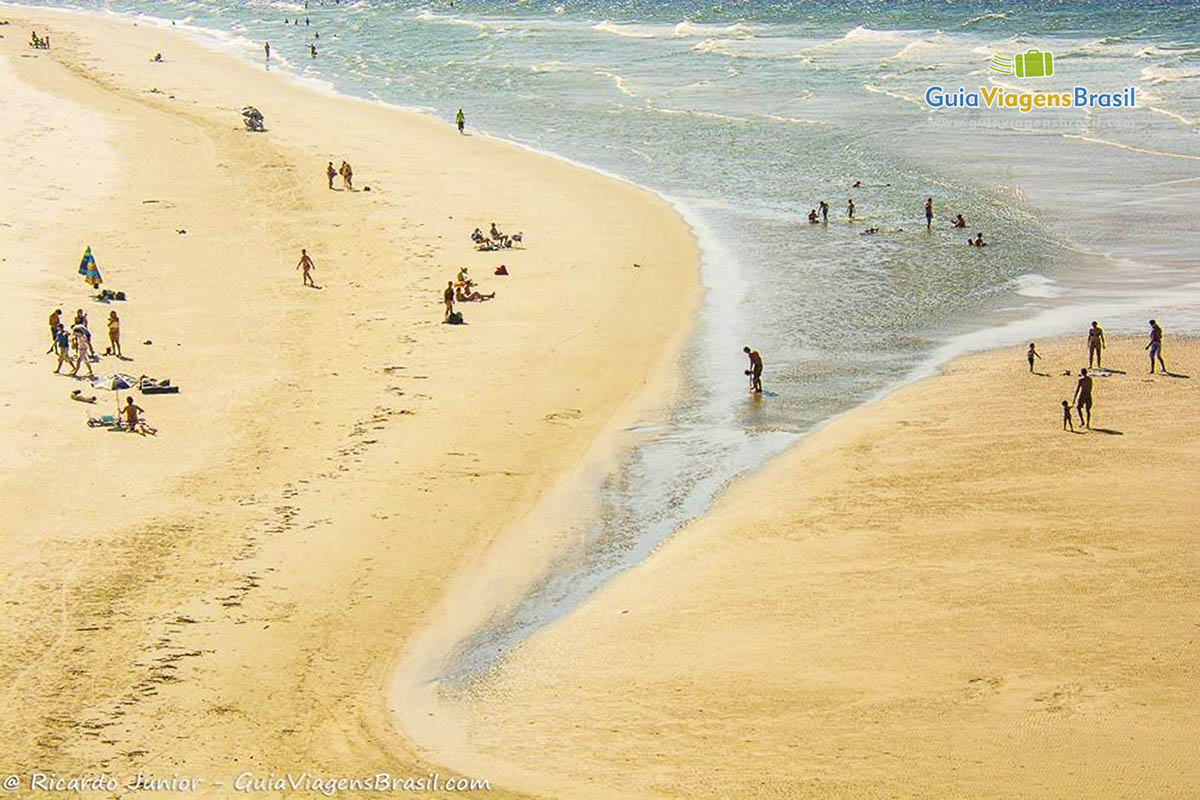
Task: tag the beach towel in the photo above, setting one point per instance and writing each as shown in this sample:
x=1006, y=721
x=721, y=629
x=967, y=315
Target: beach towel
x=104, y=421
x=89, y=270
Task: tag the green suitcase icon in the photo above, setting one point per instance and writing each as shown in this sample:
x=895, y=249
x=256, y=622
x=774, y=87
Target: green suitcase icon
x=1035, y=64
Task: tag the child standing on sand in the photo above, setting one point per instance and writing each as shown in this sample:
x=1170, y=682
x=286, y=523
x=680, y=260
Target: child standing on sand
x=1031, y=355
x=1067, y=422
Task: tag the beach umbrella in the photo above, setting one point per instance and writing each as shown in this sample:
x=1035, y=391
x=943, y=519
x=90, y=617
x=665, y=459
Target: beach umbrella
x=88, y=268
x=115, y=383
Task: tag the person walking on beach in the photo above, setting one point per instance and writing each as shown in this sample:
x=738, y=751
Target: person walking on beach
x=824, y=207
x=1067, y=423
x=1155, y=346
x=928, y=213
x=448, y=298
x=55, y=320
x=1031, y=355
x=114, y=333
x=267, y=47
x=306, y=264
x=330, y=173
x=63, y=342
x=1083, y=397
x=1095, y=343
x=756, y=368
x=82, y=346
x=460, y=120
x=850, y=209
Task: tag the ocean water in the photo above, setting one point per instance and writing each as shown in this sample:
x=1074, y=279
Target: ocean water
x=746, y=114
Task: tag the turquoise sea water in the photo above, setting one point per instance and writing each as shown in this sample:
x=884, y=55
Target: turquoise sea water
x=746, y=114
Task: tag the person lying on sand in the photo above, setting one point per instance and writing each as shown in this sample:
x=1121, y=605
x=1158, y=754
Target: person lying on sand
x=469, y=296
x=77, y=394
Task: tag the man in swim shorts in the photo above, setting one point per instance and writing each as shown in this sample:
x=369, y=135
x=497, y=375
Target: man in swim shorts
x=756, y=368
x=306, y=264
x=1083, y=397
x=1095, y=343
x=1155, y=346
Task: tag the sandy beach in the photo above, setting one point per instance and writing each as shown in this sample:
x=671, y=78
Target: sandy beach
x=234, y=593
x=939, y=594
x=943, y=594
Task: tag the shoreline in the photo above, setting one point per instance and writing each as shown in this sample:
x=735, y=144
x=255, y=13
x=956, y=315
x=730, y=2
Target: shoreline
x=512, y=434
x=800, y=682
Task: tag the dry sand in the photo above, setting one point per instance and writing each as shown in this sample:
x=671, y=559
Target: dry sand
x=940, y=595
x=236, y=592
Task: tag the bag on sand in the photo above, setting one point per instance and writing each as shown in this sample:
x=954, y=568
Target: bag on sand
x=455, y=318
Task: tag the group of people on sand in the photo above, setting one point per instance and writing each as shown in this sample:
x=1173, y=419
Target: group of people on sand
x=1082, y=397
x=462, y=290
x=74, y=347
x=345, y=170
x=39, y=42
x=820, y=215
x=494, y=239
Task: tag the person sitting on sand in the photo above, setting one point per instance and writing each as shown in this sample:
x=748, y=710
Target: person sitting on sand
x=1155, y=346
x=1067, y=422
x=756, y=368
x=812, y=217
x=114, y=333
x=469, y=296
x=63, y=342
x=1031, y=355
x=1095, y=343
x=495, y=232
x=55, y=324
x=133, y=422
x=306, y=264
x=464, y=280
x=477, y=236
x=1083, y=397
x=959, y=222
x=448, y=297
x=330, y=173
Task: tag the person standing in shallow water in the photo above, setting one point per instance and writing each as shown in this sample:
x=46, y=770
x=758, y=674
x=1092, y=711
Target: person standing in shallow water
x=267, y=48
x=1155, y=346
x=460, y=120
x=1095, y=344
x=756, y=368
x=928, y=213
x=824, y=207
x=850, y=209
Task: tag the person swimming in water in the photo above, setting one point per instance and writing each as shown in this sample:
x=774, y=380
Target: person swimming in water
x=977, y=241
x=959, y=222
x=812, y=217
